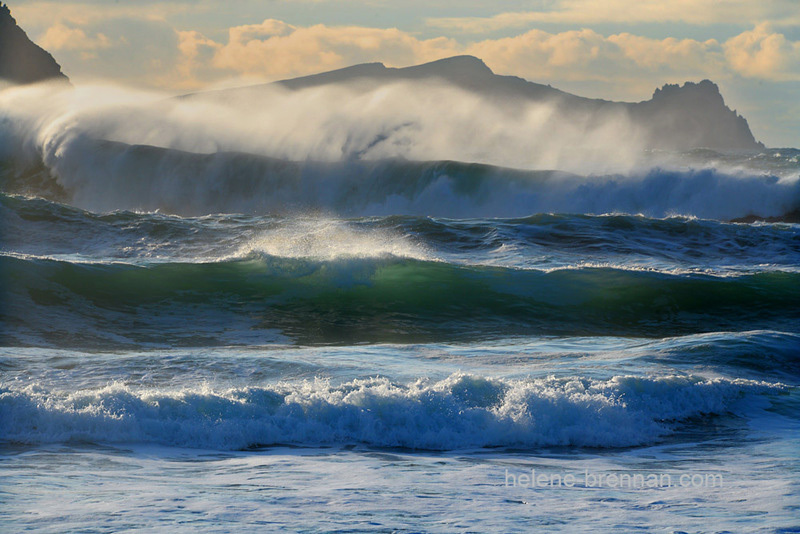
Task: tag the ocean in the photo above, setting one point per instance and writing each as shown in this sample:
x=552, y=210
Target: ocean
x=249, y=337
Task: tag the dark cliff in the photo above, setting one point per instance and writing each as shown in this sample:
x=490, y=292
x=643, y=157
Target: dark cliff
x=691, y=116
x=21, y=60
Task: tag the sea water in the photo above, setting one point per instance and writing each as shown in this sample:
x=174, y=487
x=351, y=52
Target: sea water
x=234, y=342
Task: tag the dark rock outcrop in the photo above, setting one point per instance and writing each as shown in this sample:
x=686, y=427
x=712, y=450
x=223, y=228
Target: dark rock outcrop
x=21, y=60
x=693, y=116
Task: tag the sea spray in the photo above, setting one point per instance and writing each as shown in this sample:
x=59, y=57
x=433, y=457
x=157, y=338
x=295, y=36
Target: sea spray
x=107, y=149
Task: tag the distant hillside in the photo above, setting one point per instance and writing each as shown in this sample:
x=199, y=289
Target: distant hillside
x=21, y=60
x=675, y=118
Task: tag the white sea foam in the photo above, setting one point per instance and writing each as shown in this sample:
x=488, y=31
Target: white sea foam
x=461, y=411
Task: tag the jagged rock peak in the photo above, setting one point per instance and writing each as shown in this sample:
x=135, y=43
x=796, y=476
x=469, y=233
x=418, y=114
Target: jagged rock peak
x=705, y=89
x=21, y=60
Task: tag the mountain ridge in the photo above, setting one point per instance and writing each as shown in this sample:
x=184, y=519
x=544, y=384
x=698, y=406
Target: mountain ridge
x=677, y=117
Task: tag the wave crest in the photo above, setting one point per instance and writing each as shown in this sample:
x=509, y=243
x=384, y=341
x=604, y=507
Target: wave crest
x=462, y=411
x=196, y=156
x=103, y=176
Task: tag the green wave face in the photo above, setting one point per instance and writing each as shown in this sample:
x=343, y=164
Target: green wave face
x=374, y=300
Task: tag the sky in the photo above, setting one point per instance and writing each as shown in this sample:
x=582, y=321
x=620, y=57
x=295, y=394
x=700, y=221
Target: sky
x=611, y=49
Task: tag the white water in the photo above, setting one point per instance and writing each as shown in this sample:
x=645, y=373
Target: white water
x=360, y=143
x=95, y=457
x=459, y=412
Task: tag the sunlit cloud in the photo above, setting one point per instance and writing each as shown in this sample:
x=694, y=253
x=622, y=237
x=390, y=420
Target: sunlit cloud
x=62, y=37
x=588, y=55
x=275, y=48
x=763, y=53
x=158, y=55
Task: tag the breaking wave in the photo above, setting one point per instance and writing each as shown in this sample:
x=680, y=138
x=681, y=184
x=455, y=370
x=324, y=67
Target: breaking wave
x=106, y=150
x=462, y=411
x=104, y=176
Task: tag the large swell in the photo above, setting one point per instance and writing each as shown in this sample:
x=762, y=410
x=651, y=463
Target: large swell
x=373, y=300
x=104, y=176
x=328, y=152
x=150, y=279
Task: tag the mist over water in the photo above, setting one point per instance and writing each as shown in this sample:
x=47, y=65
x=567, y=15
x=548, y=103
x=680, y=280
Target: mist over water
x=422, y=121
x=419, y=148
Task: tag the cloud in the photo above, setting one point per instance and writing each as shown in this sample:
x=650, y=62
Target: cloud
x=62, y=37
x=630, y=65
x=538, y=54
x=762, y=53
x=277, y=49
x=671, y=54
x=274, y=49
x=133, y=51
x=698, y=12
x=195, y=62
x=157, y=55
